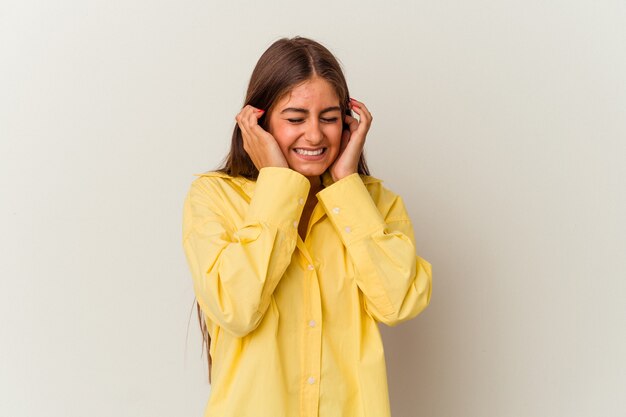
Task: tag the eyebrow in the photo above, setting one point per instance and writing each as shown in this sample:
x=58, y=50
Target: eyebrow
x=300, y=110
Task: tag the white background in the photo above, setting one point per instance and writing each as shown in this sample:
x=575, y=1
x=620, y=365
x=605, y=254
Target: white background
x=501, y=123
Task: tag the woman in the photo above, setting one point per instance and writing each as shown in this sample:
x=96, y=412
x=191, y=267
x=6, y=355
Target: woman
x=296, y=252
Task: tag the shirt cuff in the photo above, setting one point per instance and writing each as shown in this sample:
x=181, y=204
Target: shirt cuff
x=279, y=197
x=351, y=209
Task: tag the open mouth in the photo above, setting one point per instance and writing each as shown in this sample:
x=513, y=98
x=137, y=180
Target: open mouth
x=309, y=152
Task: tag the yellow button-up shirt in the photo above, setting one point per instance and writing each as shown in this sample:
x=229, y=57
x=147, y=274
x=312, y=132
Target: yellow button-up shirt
x=293, y=323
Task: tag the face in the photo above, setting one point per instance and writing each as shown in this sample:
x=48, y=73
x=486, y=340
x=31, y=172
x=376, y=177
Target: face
x=307, y=124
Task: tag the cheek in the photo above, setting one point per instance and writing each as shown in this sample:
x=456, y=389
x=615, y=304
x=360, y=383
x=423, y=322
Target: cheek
x=284, y=136
x=333, y=133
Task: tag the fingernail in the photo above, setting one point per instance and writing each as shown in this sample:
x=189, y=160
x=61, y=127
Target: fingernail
x=261, y=111
x=351, y=99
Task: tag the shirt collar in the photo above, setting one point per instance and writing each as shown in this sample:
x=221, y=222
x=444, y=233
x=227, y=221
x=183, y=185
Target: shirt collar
x=248, y=185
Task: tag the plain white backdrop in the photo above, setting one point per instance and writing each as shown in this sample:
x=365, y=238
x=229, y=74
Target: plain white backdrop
x=501, y=123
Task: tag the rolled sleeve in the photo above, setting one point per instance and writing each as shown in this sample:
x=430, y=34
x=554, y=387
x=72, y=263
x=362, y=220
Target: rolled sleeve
x=273, y=204
x=395, y=281
x=235, y=271
x=351, y=209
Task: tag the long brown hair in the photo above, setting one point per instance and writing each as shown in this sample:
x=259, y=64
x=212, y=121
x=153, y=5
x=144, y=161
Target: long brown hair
x=284, y=65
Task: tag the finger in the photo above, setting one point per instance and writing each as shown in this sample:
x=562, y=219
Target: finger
x=239, y=120
x=249, y=117
x=242, y=121
x=352, y=123
x=363, y=112
x=345, y=138
x=361, y=109
x=246, y=109
x=358, y=128
x=257, y=132
x=242, y=126
x=253, y=135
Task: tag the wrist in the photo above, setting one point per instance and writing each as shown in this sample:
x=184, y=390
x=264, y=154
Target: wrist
x=339, y=176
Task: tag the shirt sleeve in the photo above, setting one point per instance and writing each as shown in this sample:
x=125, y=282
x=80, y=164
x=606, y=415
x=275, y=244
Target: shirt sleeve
x=395, y=281
x=235, y=270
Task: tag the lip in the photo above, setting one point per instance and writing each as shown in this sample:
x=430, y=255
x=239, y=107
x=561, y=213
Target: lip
x=311, y=157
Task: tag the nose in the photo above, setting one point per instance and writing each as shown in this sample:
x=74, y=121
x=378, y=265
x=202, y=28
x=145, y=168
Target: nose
x=313, y=133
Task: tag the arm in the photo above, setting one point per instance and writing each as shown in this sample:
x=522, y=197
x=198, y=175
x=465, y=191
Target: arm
x=235, y=272
x=395, y=281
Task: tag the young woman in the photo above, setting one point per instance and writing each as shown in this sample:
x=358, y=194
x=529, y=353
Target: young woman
x=296, y=252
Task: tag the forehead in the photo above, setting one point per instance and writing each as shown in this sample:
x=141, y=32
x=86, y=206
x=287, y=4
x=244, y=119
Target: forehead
x=315, y=92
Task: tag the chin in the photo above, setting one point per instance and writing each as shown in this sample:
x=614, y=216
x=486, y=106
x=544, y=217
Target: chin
x=310, y=171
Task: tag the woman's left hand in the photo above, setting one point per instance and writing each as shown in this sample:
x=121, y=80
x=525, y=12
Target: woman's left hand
x=352, y=142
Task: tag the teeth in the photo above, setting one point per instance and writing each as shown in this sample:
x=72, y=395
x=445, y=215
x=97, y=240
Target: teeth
x=305, y=152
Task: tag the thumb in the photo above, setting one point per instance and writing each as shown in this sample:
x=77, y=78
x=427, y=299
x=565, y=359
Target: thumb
x=345, y=139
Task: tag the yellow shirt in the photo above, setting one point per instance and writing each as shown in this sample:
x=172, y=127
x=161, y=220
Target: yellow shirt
x=293, y=323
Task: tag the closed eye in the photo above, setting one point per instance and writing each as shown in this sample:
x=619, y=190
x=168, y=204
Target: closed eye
x=325, y=120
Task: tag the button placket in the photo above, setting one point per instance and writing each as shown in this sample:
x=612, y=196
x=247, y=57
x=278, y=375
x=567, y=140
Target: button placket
x=311, y=336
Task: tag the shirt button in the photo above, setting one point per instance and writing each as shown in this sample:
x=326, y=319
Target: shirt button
x=312, y=323
x=347, y=229
x=301, y=201
x=311, y=380
x=295, y=224
x=310, y=267
x=336, y=210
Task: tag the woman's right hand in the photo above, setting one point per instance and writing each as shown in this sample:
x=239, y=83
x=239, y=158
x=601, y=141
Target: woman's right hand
x=257, y=142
